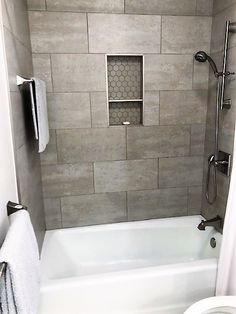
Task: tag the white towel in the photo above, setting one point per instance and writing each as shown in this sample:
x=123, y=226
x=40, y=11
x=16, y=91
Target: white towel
x=19, y=286
x=42, y=113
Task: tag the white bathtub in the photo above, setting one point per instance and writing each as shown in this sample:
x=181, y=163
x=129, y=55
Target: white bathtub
x=157, y=266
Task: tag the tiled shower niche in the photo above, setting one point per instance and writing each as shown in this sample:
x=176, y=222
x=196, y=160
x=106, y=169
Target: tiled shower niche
x=125, y=89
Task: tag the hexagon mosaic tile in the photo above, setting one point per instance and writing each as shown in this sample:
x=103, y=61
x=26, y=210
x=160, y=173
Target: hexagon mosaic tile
x=120, y=112
x=124, y=77
x=125, y=89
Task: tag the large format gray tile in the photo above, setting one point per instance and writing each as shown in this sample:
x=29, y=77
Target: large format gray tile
x=29, y=186
x=19, y=60
x=126, y=175
x=194, y=200
x=68, y=179
x=15, y=18
x=39, y=225
x=93, y=209
x=200, y=75
x=36, y=4
x=28, y=174
x=218, y=29
x=52, y=210
x=79, y=72
x=49, y=156
x=165, y=72
x=220, y=5
x=157, y=141
x=151, y=108
x=204, y=7
x=161, y=7
x=42, y=69
x=185, y=34
x=18, y=119
x=58, y=32
x=197, y=139
x=180, y=171
x=157, y=203
x=231, y=64
x=183, y=107
x=91, y=144
x=69, y=110
x=219, y=206
x=226, y=140
x=99, y=109
x=100, y=6
x=118, y=33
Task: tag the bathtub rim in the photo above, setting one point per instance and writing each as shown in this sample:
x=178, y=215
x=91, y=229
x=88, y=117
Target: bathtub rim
x=134, y=224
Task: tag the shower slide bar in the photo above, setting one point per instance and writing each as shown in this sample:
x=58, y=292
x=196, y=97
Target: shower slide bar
x=11, y=209
x=229, y=28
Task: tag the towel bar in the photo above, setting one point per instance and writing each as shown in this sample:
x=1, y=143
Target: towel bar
x=14, y=207
x=21, y=80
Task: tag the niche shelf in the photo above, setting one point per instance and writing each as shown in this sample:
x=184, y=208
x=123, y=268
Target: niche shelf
x=125, y=89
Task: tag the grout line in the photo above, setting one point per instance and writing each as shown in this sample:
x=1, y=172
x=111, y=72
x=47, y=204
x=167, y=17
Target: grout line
x=116, y=160
x=46, y=5
x=139, y=54
x=181, y=126
x=56, y=148
x=103, y=91
x=190, y=140
x=121, y=13
x=52, y=82
x=61, y=212
x=87, y=18
x=120, y=160
x=118, y=192
x=188, y=201
x=196, y=5
x=193, y=75
x=127, y=210
x=158, y=174
x=93, y=169
x=161, y=35
x=91, y=115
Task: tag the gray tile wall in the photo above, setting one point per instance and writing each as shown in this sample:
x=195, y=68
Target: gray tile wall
x=19, y=62
x=223, y=10
x=93, y=173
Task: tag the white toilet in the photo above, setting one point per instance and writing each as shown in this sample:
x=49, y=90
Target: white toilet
x=214, y=305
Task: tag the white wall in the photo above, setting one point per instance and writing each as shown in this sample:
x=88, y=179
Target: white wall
x=8, y=185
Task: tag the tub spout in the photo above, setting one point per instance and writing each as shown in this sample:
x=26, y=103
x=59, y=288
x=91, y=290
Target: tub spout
x=214, y=222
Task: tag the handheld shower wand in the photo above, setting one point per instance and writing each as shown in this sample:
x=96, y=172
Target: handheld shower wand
x=202, y=56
